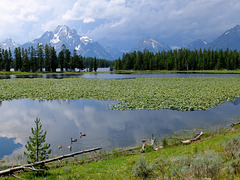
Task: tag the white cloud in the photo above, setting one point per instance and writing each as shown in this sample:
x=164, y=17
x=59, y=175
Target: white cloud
x=174, y=21
x=88, y=11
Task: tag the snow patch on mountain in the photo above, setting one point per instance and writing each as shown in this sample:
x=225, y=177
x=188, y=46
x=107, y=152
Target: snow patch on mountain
x=8, y=43
x=56, y=39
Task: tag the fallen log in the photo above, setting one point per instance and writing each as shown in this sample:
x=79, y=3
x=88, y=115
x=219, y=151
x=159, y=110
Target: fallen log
x=29, y=166
x=197, y=137
x=234, y=124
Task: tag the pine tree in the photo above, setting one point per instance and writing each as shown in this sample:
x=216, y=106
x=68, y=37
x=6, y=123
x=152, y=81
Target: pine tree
x=95, y=66
x=61, y=59
x=67, y=59
x=38, y=151
x=47, y=58
x=1, y=60
x=54, y=60
x=40, y=56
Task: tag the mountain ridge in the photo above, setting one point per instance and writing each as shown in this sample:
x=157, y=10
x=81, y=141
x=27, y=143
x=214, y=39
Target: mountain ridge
x=89, y=48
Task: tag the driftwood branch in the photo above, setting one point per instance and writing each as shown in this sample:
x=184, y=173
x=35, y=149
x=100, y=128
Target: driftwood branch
x=30, y=166
x=234, y=124
x=197, y=137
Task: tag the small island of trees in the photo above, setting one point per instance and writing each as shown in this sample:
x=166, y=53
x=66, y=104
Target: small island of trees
x=45, y=58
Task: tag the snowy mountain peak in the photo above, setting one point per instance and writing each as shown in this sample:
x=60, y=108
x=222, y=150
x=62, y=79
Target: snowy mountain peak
x=229, y=39
x=198, y=44
x=152, y=45
x=86, y=40
x=84, y=45
x=61, y=29
x=8, y=43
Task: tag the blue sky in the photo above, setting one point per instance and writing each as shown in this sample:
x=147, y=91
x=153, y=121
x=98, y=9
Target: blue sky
x=120, y=23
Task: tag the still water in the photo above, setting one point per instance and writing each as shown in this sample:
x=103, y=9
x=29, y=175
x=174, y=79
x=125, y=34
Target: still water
x=103, y=73
x=106, y=128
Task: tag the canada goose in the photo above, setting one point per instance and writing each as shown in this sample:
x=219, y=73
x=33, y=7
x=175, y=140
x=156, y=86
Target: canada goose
x=73, y=140
x=70, y=148
x=82, y=134
x=60, y=146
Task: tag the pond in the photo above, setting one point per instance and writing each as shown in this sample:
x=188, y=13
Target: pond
x=103, y=73
x=65, y=119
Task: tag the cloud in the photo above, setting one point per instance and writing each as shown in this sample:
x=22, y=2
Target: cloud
x=168, y=20
x=88, y=11
x=120, y=22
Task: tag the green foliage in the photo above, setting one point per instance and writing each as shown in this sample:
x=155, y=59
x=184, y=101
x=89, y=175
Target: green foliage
x=206, y=165
x=181, y=166
x=181, y=59
x=231, y=147
x=67, y=170
x=163, y=165
x=34, y=60
x=232, y=167
x=111, y=68
x=142, y=168
x=95, y=66
x=164, y=142
x=37, y=150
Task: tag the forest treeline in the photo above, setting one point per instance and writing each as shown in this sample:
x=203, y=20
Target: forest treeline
x=45, y=58
x=181, y=59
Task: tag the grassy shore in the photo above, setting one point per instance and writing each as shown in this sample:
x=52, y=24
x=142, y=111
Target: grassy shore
x=207, y=158
x=141, y=93
x=176, y=71
x=129, y=72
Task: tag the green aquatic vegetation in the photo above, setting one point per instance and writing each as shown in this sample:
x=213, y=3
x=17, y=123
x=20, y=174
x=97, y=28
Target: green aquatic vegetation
x=184, y=94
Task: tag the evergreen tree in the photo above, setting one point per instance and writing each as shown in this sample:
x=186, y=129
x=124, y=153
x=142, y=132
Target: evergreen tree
x=33, y=60
x=25, y=66
x=40, y=56
x=16, y=60
x=47, y=58
x=6, y=63
x=1, y=60
x=37, y=150
x=54, y=59
x=61, y=60
x=95, y=66
x=90, y=66
x=67, y=59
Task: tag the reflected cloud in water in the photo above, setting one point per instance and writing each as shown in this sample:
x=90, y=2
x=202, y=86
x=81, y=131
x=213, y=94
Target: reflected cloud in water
x=106, y=128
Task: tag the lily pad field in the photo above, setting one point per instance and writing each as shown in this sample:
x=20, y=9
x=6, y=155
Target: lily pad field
x=182, y=94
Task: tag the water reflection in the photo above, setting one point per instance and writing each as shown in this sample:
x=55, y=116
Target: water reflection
x=109, y=129
x=8, y=146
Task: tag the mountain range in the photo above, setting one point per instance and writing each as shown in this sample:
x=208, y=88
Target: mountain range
x=89, y=48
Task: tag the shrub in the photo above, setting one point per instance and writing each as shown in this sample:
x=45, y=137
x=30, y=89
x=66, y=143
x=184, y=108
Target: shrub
x=163, y=165
x=165, y=142
x=206, y=165
x=142, y=168
x=181, y=167
x=231, y=146
x=232, y=167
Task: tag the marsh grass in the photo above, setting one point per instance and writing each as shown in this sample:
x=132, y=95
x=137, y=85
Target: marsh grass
x=182, y=94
